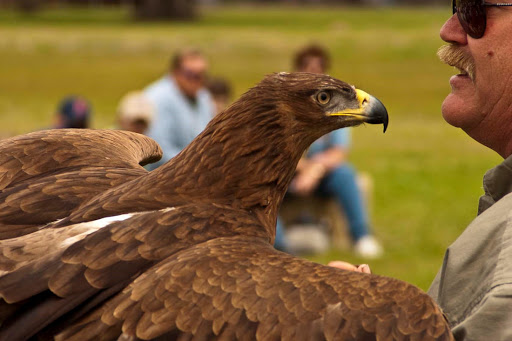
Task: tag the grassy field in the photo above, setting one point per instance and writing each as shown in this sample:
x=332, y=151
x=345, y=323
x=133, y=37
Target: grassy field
x=427, y=175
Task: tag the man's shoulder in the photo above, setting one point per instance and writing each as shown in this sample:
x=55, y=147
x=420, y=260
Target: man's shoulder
x=498, y=212
x=490, y=319
x=339, y=137
x=160, y=87
x=340, y=132
x=477, y=262
x=204, y=94
x=491, y=223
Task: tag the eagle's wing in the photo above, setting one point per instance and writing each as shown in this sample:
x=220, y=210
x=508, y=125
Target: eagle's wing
x=58, y=269
x=241, y=288
x=38, y=153
x=25, y=206
x=197, y=271
x=46, y=174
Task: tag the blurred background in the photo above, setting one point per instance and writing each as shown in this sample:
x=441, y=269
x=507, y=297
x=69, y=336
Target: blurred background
x=426, y=174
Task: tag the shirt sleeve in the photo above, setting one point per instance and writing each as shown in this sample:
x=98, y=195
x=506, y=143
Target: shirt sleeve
x=340, y=138
x=162, y=133
x=491, y=319
x=162, y=128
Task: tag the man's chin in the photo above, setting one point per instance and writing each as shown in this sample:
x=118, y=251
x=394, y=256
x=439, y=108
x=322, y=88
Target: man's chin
x=454, y=111
x=459, y=106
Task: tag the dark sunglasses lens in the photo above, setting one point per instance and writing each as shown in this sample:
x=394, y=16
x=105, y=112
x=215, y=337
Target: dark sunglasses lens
x=472, y=16
x=192, y=75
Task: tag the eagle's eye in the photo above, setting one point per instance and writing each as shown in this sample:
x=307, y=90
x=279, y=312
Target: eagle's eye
x=323, y=97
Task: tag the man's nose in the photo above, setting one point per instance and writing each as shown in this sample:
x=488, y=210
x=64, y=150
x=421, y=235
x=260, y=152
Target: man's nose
x=452, y=31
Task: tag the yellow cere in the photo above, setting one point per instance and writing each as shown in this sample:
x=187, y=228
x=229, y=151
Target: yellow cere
x=362, y=97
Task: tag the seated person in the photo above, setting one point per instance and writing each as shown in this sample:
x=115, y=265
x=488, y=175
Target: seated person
x=325, y=171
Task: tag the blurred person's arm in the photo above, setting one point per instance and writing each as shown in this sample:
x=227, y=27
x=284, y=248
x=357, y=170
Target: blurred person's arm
x=311, y=170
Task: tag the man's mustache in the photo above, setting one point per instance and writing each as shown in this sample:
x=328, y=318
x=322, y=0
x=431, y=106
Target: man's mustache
x=456, y=56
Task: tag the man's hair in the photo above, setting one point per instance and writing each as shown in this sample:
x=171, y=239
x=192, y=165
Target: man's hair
x=311, y=51
x=179, y=56
x=218, y=87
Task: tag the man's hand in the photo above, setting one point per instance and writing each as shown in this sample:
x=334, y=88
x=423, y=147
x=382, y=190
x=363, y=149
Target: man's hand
x=311, y=170
x=364, y=268
x=308, y=177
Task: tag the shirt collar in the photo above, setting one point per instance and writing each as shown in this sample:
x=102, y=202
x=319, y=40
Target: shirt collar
x=497, y=184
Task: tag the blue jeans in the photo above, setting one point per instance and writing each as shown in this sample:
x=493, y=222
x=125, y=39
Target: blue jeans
x=280, y=241
x=341, y=184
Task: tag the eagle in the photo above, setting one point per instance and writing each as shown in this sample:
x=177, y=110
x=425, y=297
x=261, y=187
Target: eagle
x=95, y=248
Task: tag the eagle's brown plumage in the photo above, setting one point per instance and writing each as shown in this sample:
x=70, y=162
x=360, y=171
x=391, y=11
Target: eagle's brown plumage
x=184, y=252
x=59, y=169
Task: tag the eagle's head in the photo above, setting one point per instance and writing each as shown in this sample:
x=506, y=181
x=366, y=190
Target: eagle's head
x=321, y=100
x=250, y=150
x=302, y=105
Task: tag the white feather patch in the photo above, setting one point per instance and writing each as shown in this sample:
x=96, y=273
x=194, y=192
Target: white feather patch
x=93, y=226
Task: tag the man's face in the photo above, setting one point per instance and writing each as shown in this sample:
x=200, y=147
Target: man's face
x=191, y=75
x=482, y=105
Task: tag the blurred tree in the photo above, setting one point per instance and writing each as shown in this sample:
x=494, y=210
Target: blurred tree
x=28, y=5
x=165, y=9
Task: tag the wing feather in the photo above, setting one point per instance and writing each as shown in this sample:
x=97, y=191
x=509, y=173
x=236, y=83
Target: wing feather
x=95, y=256
x=27, y=156
x=222, y=288
x=190, y=277
x=45, y=175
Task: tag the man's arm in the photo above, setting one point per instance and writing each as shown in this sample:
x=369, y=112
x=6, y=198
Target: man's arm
x=312, y=169
x=491, y=319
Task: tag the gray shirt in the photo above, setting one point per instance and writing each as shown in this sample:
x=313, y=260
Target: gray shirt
x=474, y=285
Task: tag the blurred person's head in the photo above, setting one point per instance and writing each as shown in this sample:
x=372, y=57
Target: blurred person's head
x=135, y=112
x=73, y=112
x=189, y=68
x=312, y=58
x=220, y=90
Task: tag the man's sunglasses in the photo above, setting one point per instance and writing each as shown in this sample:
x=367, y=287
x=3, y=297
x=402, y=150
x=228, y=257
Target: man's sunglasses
x=193, y=75
x=472, y=15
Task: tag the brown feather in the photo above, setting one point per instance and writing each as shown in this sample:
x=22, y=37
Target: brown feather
x=52, y=169
x=333, y=318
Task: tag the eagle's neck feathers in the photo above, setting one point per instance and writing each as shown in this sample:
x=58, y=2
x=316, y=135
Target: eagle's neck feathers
x=245, y=160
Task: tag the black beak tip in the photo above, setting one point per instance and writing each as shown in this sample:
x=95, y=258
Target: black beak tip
x=379, y=113
x=385, y=123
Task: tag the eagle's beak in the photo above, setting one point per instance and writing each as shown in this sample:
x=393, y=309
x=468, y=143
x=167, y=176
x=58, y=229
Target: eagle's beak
x=370, y=110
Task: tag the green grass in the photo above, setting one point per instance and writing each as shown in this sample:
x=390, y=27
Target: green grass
x=427, y=175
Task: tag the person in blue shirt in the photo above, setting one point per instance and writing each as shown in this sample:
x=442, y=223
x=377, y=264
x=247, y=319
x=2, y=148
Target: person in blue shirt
x=183, y=107
x=325, y=170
